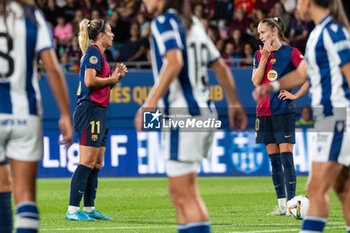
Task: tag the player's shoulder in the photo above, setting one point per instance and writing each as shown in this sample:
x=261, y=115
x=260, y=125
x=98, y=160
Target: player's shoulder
x=166, y=20
x=93, y=55
x=336, y=31
x=92, y=50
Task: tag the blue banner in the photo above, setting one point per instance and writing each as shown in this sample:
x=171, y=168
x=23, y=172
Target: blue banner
x=131, y=154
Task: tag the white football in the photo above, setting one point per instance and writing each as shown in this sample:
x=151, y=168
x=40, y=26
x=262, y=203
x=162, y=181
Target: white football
x=298, y=206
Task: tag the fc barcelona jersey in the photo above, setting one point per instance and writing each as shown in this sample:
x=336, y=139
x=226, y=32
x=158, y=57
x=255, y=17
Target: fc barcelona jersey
x=279, y=63
x=93, y=58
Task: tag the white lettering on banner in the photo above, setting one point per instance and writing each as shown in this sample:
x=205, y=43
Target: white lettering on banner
x=73, y=157
x=150, y=156
x=47, y=161
x=212, y=164
x=300, y=152
x=116, y=149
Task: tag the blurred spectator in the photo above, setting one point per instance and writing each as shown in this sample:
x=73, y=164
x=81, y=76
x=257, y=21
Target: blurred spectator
x=128, y=8
x=66, y=64
x=237, y=40
x=79, y=15
x=209, y=9
x=267, y=5
x=305, y=117
x=230, y=53
x=299, y=32
x=279, y=11
x=95, y=14
x=248, y=53
x=134, y=49
x=141, y=20
x=246, y=5
x=259, y=15
x=69, y=10
x=63, y=31
x=74, y=51
x=101, y=6
x=240, y=21
x=214, y=35
x=289, y=5
x=198, y=11
x=120, y=29
x=51, y=12
x=224, y=10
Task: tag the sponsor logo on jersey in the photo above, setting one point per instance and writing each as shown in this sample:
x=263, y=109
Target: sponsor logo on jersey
x=93, y=60
x=272, y=75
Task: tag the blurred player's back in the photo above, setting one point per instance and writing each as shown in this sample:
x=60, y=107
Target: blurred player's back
x=19, y=90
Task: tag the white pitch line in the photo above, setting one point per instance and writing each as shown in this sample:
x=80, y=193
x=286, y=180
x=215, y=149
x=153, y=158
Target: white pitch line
x=285, y=230
x=165, y=226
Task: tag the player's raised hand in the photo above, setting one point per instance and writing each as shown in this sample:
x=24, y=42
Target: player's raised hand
x=237, y=117
x=121, y=69
x=266, y=50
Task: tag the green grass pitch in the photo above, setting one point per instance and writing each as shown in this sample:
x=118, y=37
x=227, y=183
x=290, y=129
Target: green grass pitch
x=142, y=205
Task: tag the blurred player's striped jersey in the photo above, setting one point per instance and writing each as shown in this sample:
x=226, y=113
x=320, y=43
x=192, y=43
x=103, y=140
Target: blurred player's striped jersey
x=22, y=38
x=327, y=50
x=190, y=89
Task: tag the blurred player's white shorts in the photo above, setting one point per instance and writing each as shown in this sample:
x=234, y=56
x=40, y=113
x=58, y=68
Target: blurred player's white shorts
x=332, y=140
x=20, y=138
x=184, y=150
x=178, y=168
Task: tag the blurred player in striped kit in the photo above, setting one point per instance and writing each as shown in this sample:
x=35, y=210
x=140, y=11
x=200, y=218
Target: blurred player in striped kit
x=328, y=70
x=24, y=36
x=181, y=52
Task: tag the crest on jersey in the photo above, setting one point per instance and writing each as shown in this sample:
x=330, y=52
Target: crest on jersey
x=273, y=61
x=94, y=137
x=93, y=60
x=272, y=75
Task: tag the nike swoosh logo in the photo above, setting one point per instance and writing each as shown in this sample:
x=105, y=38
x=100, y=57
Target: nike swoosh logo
x=80, y=191
x=292, y=182
x=277, y=185
x=287, y=136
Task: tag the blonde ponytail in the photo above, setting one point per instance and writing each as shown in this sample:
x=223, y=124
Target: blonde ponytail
x=84, y=41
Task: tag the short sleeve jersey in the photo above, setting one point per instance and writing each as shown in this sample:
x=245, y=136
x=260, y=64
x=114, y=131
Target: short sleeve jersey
x=279, y=63
x=28, y=36
x=327, y=50
x=190, y=88
x=94, y=59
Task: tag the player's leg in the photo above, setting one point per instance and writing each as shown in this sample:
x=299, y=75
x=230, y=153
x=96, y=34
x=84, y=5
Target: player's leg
x=264, y=133
x=91, y=189
x=87, y=161
x=342, y=188
x=24, y=186
x=5, y=198
x=284, y=128
x=322, y=179
x=192, y=215
x=277, y=178
x=290, y=177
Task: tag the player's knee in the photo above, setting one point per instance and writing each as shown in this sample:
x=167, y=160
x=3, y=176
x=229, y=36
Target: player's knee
x=317, y=189
x=5, y=180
